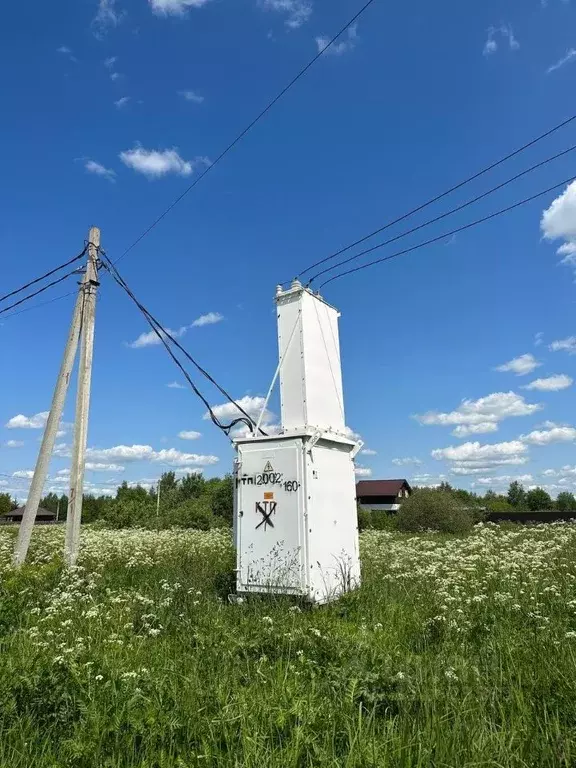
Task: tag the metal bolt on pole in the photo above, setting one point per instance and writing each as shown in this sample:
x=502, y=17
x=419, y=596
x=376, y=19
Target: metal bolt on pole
x=89, y=287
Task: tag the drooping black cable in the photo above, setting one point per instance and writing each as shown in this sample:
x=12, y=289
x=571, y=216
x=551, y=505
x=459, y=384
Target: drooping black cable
x=163, y=334
x=43, y=277
x=40, y=290
x=248, y=128
x=448, y=213
x=444, y=235
x=441, y=195
x=37, y=306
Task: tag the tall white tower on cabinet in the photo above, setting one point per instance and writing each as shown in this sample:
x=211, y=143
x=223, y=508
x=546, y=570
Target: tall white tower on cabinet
x=295, y=507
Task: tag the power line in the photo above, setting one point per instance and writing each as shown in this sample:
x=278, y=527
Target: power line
x=446, y=234
x=442, y=195
x=40, y=290
x=164, y=334
x=246, y=130
x=448, y=213
x=37, y=306
x=43, y=277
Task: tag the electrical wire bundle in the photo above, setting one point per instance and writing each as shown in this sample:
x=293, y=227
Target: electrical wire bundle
x=444, y=215
x=165, y=336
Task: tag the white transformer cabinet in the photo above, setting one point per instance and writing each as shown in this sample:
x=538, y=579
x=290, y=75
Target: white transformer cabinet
x=295, y=508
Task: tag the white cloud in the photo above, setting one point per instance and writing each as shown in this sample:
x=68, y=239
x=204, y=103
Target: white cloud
x=406, y=461
x=28, y=474
x=568, y=57
x=65, y=51
x=368, y=452
x=38, y=421
x=122, y=102
x=501, y=480
x=151, y=339
x=174, y=7
x=127, y=453
x=106, y=17
x=551, y=383
x=63, y=473
x=475, y=455
x=115, y=76
x=191, y=96
x=177, y=458
x=482, y=415
x=520, y=365
x=251, y=405
x=505, y=32
x=559, y=221
x=298, y=11
x=339, y=46
x=175, y=385
x=109, y=62
x=464, y=430
x=564, y=345
x=92, y=166
x=351, y=435
x=117, y=453
x=13, y=444
x=538, y=338
x=362, y=471
x=99, y=467
x=155, y=163
x=209, y=319
x=554, y=434
x=189, y=434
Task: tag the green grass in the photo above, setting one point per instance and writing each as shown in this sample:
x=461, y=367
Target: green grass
x=455, y=652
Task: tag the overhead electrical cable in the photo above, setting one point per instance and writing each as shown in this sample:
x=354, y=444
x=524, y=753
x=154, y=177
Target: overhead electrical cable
x=442, y=194
x=447, y=213
x=37, y=306
x=444, y=235
x=163, y=334
x=40, y=290
x=43, y=277
x=246, y=130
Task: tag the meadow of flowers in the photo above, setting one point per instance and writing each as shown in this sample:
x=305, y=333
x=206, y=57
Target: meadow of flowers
x=455, y=652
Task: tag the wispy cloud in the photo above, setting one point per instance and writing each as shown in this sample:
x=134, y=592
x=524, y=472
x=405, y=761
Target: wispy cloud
x=38, y=421
x=520, y=365
x=92, y=166
x=407, y=461
x=538, y=338
x=14, y=444
x=65, y=51
x=209, y=319
x=191, y=96
x=175, y=385
x=122, y=102
x=174, y=7
x=107, y=17
x=189, y=434
x=505, y=33
x=566, y=59
x=340, y=46
x=297, y=11
x=154, y=163
x=551, y=383
x=150, y=339
x=564, y=345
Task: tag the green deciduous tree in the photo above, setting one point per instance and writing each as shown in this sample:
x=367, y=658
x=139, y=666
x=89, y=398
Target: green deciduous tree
x=537, y=499
x=566, y=502
x=5, y=503
x=517, y=495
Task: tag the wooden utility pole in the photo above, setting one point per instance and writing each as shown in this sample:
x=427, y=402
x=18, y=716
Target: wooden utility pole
x=89, y=287
x=49, y=437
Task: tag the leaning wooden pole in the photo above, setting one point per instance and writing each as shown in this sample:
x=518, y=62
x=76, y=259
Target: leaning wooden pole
x=49, y=437
x=77, y=468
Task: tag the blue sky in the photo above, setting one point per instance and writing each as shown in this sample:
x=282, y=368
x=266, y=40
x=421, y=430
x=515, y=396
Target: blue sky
x=112, y=108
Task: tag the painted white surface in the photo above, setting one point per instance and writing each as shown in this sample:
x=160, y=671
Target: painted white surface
x=311, y=376
x=381, y=507
x=311, y=548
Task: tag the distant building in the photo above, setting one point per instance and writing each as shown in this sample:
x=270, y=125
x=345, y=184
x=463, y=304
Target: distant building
x=15, y=516
x=382, y=495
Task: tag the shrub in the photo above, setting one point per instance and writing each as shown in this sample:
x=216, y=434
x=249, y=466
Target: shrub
x=437, y=510
x=364, y=519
